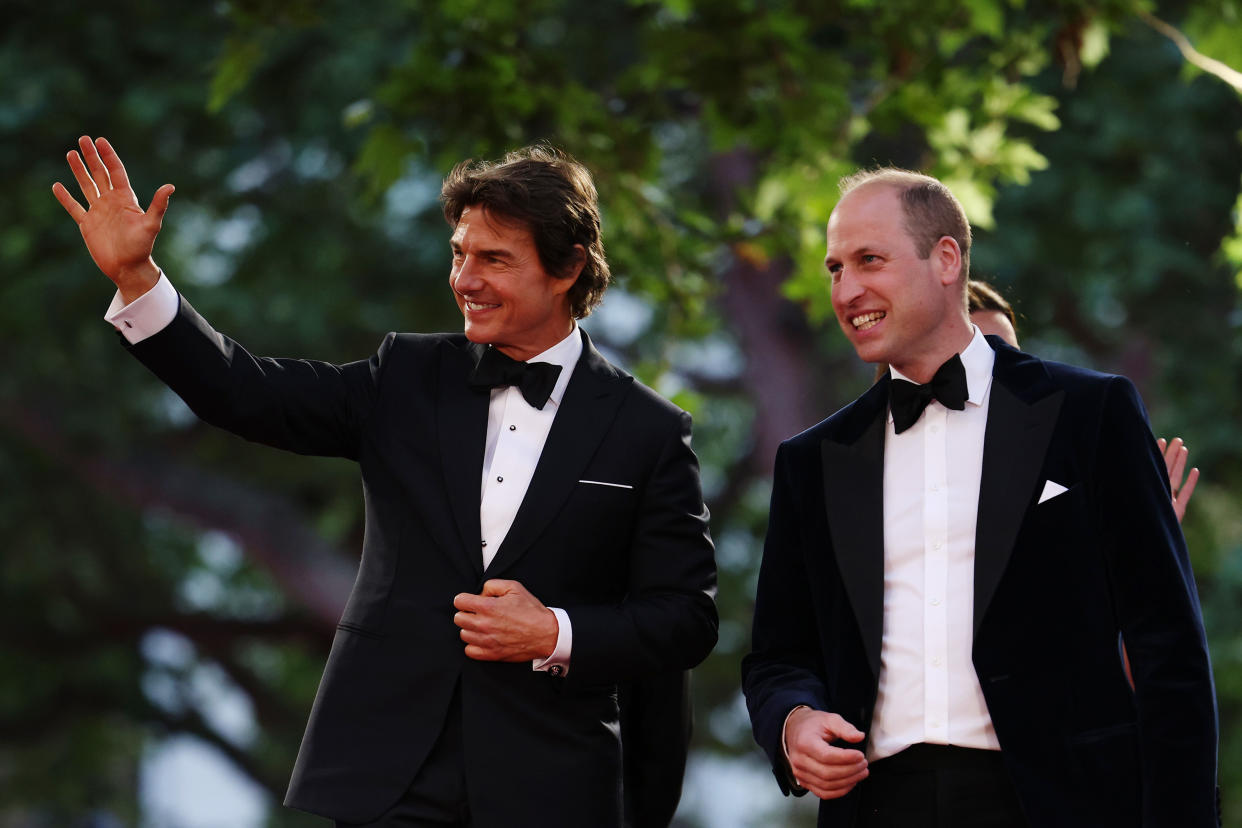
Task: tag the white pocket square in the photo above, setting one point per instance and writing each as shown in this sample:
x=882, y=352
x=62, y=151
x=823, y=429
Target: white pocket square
x=1050, y=491
x=602, y=483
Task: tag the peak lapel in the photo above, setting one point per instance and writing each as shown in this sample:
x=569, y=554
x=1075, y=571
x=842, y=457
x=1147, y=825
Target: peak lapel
x=853, y=469
x=586, y=412
x=463, y=435
x=1022, y=413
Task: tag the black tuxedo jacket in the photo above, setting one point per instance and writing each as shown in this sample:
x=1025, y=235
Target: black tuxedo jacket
x=1055, y=585
x=631, y=563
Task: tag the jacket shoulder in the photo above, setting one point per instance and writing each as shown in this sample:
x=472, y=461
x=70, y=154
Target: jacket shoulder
x=415, y=342
x=420, y=346
x=1030, y=376
x=847, y=422
x=651, y=401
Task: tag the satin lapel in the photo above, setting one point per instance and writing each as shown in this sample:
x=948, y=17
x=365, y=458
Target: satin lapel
x=463, y=436
x=1022, y=414
x=583, y=419
x=853, y=468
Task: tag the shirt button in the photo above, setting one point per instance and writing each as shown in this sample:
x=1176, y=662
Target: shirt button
x=513, y=428
x=484, y=543
x=500, y=479
x=935, y=487
x=935, y=429
x=936, y=662
x=935, y=602
x=937, y=545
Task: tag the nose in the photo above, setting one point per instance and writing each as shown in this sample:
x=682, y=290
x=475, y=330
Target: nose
x=846, y=288
x=465, y=278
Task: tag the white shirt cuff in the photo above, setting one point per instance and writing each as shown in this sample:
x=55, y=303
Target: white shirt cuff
x=558, y=663
x=147, y=315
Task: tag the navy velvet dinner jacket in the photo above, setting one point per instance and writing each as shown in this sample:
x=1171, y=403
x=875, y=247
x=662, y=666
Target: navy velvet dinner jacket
x=631, y=563
x=1055, y=585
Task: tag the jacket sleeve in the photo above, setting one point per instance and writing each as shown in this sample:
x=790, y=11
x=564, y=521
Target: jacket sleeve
x=299, y=405
x=785, y=667
x=1157, y=607
x=668, y=619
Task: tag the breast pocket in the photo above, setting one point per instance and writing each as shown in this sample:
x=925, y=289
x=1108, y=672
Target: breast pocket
x=1068, y=502
x=591, y=537
x=603, y=501
x=1058, y=529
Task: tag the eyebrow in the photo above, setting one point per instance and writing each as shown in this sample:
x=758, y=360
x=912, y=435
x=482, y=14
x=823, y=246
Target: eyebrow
x=491, y=252
x=864, y=250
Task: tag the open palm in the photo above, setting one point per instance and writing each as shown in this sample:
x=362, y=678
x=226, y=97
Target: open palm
x=118, y=233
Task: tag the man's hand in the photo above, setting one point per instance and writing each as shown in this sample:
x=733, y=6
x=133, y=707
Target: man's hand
x=505, y=623
x=117, y=232
x=826, y=771
x=1175, y=455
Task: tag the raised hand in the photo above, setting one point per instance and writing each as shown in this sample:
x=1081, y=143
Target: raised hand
x=118, y=233
x=1175, y=456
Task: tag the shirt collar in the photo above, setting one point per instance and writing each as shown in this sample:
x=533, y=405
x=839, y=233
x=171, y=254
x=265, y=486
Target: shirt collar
x=978, y=359
x=565, y=354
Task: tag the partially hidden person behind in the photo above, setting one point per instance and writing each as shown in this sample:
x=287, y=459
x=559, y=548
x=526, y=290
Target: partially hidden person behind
x=992, y=314
x=952, y=558
x=535, y=532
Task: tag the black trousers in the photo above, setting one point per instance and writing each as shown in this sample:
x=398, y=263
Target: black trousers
x=939, y=786
x=437, y=796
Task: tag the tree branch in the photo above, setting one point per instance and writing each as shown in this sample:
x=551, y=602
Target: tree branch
x=308, y=568
x=1193, y=56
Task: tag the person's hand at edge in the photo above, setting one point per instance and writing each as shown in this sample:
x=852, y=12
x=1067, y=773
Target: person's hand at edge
x=1175, y=457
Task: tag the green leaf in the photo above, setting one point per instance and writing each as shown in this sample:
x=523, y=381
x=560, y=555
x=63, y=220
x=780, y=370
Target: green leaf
x=382, y=159
x=234, y=68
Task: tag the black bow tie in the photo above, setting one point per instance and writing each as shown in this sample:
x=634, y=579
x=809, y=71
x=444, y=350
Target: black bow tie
x=907, y=399
x=534, y=379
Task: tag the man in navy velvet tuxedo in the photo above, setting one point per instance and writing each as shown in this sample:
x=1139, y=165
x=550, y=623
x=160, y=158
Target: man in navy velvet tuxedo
x=952, y=560
x=536, y=539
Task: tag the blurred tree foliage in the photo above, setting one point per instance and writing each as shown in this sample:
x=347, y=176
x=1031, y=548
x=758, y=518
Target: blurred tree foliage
x=155, y=567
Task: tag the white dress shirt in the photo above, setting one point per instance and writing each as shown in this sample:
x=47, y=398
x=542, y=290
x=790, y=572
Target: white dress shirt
x=516, y=432
x=928, y=690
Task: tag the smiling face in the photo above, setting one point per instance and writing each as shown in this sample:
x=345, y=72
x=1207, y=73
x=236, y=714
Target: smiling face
x=894, y=306
x=506, y=297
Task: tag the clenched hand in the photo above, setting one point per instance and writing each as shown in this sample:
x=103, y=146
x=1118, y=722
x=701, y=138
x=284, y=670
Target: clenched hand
x=505, y=623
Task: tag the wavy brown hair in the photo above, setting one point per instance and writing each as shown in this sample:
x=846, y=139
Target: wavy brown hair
x=553, y=196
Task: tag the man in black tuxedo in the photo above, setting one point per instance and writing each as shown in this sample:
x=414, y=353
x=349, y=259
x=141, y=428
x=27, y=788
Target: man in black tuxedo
x=535, y=531
x=952, y=559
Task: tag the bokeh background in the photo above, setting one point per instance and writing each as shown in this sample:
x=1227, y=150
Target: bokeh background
x=168, y=593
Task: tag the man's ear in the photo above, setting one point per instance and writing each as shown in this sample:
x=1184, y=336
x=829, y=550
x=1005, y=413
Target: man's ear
x=569, y=276
x=947, y=257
